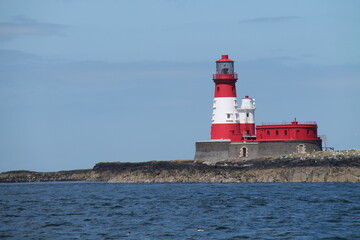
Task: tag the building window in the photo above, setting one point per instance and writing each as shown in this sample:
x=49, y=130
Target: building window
x=308, y=132
x=277, y=133
x=218, y=89
x=285, y=132
x=228, y=115
x=247, y=114
x=268, y=132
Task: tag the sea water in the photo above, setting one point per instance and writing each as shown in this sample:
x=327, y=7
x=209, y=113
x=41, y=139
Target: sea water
x=79, y=210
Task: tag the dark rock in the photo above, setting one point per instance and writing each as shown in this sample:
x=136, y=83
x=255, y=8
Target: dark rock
x=285, y=169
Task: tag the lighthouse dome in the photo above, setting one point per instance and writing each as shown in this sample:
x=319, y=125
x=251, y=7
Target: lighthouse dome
x=247, y=103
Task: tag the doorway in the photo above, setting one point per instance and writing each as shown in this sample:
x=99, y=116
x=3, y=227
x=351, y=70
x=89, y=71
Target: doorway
x=243, y=152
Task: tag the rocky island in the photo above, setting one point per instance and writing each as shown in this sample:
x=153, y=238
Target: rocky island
x=327, y=166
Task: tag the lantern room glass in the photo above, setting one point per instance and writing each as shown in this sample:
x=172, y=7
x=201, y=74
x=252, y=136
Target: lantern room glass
x=225, y=68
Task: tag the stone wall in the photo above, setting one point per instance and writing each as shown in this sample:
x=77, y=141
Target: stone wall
x=212, y=151
x=280, y=148
x=215, y=151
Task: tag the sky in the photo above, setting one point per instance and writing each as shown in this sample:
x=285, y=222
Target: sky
x=84, y=81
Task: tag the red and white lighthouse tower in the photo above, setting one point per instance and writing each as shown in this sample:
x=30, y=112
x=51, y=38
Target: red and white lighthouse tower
x=225, y=119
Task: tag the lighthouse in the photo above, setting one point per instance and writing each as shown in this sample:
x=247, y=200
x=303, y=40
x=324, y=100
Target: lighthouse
x=234, y=135
x=247, y=118
x=225, y=118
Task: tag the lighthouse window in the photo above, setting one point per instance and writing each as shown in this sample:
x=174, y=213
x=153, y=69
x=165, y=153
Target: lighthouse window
x=218, y=89
x=228, y=115
x=277, y=132
x=247, y=114
x=308, y=132
x=268, y=132
x=285, y=132
x=225, y=68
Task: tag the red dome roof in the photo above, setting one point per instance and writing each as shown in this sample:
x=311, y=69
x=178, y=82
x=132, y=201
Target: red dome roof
x=224, y=58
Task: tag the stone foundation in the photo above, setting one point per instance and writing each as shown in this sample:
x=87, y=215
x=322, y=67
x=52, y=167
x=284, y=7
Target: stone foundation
x=215, y=151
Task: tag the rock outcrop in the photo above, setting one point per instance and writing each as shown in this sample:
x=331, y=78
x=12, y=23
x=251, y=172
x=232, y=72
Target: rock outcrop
x=30, y=176
x=334, y=166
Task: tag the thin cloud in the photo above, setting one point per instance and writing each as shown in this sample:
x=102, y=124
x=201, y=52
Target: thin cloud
x=15, y=56
x=282, y=58
x=23, y=26
x=269, y=19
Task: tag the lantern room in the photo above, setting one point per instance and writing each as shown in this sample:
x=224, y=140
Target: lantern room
x=225, y=65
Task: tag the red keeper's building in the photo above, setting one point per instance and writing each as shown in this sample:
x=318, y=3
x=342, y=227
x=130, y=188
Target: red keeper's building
x=287, y=132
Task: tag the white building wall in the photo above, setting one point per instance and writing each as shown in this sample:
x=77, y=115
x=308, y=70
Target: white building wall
x=247, y=110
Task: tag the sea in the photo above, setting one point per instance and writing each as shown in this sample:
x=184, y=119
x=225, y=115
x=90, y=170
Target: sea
x=97, y=210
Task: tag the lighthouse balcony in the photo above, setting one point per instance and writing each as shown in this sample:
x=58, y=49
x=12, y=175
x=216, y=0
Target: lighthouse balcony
x=225, y=76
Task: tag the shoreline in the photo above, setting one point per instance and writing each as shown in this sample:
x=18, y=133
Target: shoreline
x=328, y=166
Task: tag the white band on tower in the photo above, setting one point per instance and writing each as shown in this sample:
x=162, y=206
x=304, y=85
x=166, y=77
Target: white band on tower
x=225, y=110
